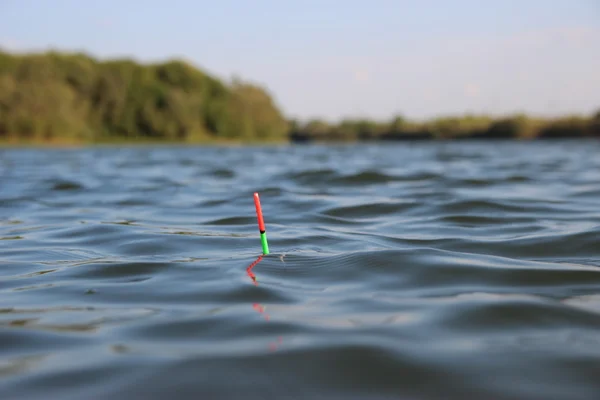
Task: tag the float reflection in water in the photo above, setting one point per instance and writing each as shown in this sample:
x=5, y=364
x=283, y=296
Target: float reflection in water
x=249, y=269
x=260, y=308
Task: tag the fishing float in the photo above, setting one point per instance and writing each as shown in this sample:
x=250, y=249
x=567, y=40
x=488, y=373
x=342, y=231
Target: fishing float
x=261, y=225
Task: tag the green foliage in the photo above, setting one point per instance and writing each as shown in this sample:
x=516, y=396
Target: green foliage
x=62, y=97
x=567, y=127
x=595, y=125
x=73, y=97
x=519, y=126
x=250, y=112
x=460, y=127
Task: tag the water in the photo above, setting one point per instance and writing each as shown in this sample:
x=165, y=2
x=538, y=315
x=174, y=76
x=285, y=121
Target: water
x=411, y=271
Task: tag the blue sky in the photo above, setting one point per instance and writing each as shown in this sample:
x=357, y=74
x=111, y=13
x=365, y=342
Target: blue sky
x=333, y=59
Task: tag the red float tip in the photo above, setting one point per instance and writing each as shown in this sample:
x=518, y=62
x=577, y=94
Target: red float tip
x=259, y=216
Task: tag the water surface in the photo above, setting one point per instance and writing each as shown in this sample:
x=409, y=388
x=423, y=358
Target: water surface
x=406, y=271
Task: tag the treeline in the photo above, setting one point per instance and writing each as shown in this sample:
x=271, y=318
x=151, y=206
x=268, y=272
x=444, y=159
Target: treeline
x=75, y=98
x=66, y=97
x=463, y=127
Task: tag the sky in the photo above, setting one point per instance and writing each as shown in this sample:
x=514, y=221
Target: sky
x=335, y=59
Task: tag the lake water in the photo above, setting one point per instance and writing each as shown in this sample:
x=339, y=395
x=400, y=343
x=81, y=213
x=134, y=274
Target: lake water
x=442, y=270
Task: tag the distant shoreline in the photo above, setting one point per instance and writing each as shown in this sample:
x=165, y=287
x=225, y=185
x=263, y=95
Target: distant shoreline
x=136, y=143
x=4, y=145
x=467, y=127
x=58, y=99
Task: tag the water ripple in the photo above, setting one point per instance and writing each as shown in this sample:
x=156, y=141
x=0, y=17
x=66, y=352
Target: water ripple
x=414, y=271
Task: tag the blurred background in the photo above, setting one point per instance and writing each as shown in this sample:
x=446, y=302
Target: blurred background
x=75, y=72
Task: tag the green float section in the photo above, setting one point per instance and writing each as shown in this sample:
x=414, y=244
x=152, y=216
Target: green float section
x=263, y=241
